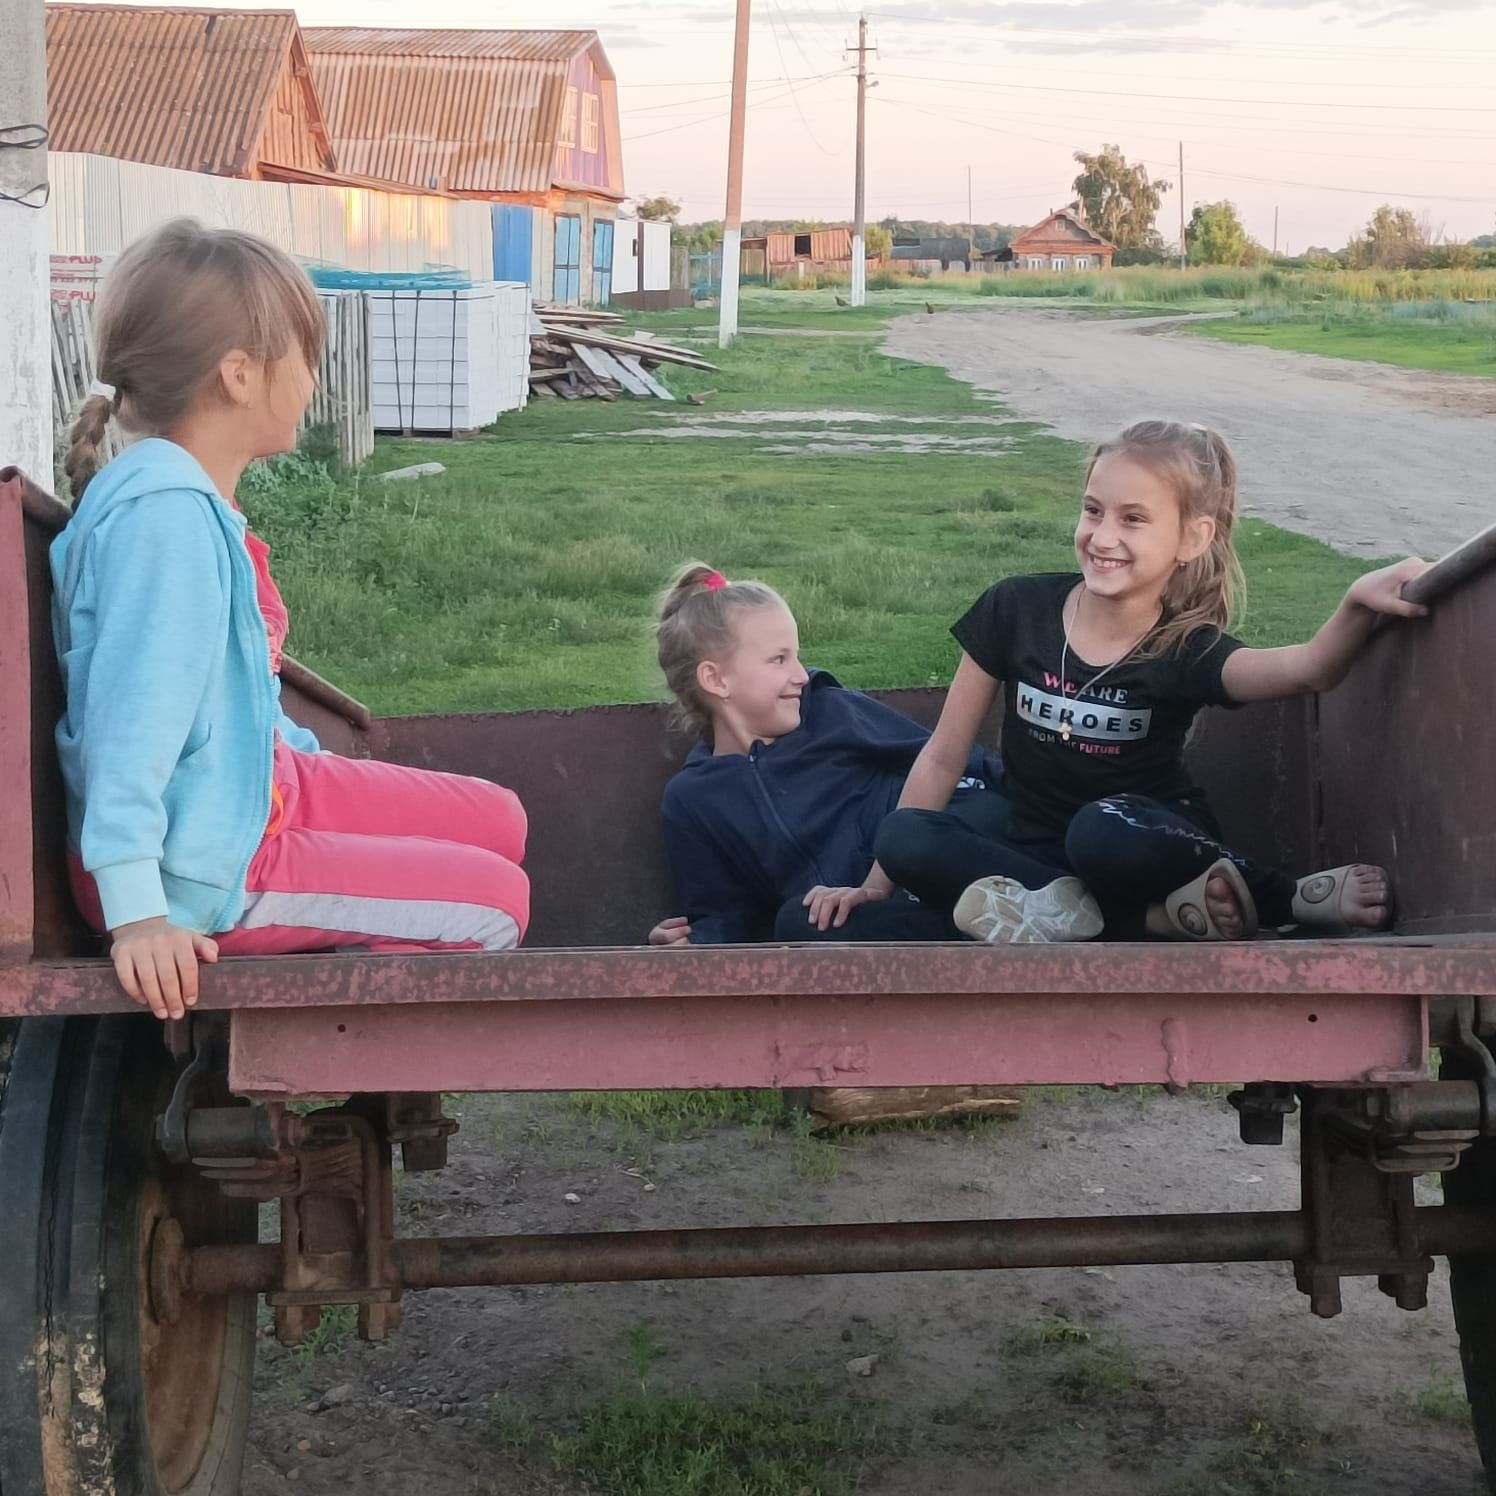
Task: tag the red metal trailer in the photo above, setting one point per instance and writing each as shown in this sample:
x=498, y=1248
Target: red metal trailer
x=131, y=1168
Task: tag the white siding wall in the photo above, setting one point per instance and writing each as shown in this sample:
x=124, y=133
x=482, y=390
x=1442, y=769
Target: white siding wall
x=99, y=205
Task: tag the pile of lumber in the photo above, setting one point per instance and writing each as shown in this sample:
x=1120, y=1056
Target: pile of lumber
x=576, y=354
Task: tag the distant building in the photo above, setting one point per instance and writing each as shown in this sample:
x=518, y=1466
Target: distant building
x=1062, y=242
x=930, y=255
x=779, y=256
x=224, y=92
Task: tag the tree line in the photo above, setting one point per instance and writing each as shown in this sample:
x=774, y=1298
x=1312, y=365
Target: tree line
x=1121, y=201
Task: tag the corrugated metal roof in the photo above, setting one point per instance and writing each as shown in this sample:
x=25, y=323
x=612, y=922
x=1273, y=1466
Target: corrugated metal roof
x=514, y=46
x=190, y=89
x=1036, y=234
x=463, y=111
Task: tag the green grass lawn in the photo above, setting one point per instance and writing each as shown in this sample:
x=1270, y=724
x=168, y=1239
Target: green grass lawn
x=1460, y=341
x=526, y=575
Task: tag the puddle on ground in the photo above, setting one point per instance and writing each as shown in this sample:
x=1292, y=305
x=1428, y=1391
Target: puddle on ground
x=826, y=431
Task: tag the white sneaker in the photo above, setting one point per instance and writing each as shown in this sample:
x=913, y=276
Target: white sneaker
x=1002, y=911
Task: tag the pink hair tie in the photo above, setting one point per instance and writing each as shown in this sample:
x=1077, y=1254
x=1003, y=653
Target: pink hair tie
x=715, y=583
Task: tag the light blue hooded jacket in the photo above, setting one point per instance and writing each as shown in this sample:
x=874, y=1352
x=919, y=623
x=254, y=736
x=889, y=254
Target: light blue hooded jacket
x=169, y=730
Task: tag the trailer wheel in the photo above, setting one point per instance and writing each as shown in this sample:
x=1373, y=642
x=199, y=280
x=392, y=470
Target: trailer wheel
x=1472, y=1289
x=125, y=1391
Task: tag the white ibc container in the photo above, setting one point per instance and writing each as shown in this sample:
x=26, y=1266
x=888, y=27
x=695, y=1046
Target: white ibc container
x=448, y=359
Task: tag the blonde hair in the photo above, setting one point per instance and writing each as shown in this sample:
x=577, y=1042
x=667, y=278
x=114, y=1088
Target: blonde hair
x=697, y=623
x=174, y=304
x=1210, y=591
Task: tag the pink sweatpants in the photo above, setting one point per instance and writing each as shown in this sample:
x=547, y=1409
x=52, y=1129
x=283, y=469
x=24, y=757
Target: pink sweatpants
x=377, y=856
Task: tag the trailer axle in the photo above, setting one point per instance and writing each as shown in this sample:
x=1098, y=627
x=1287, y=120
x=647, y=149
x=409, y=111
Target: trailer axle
x=780, y=1251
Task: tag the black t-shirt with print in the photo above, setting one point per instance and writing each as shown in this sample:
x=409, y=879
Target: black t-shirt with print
x=1126, y=736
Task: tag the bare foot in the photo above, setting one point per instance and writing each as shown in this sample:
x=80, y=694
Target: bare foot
x=1364, y=899
x=1224, y=909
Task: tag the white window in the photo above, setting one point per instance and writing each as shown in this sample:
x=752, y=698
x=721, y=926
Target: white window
x=1059, y=263
x=568, y=135
x=1082, y=262
x=1037, y=262
x=589, y=123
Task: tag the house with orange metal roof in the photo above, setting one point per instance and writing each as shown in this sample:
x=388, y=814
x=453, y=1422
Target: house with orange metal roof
x=1063, y=241
x=526, y=120
x=227, y=92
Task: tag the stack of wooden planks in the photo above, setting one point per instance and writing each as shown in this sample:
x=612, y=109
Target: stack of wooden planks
x=577, y=354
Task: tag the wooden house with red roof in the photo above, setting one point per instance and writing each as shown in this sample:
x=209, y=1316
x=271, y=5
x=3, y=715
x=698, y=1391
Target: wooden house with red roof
x=1063, y=242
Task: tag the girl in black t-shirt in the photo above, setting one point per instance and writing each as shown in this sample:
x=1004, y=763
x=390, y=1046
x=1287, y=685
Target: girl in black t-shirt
x=1103, y=675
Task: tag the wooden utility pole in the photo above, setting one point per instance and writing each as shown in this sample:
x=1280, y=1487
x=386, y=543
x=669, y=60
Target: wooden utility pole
x=971, y=226
x=859, y=191
x=25, y=269
x=1183, y=251
x=732, y=229
x=1275, y=231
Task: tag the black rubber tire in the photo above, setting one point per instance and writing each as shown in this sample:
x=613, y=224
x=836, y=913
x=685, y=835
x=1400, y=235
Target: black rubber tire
x=112, y=1399
x=1472, y=1289
x=30, y=1126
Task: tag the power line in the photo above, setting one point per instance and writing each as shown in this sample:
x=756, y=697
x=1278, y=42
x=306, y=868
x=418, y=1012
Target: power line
x=1111, y=93
x=1188, y=41
x=815, y=140
x=1442, y=197
x=717, y=98
x=707, y=119
x=1439, y=85
x=717, y=82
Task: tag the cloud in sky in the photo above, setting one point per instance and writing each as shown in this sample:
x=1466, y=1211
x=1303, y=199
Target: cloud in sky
x=1106, y=16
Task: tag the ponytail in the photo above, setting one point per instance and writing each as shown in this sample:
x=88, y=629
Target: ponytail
x=86, y=442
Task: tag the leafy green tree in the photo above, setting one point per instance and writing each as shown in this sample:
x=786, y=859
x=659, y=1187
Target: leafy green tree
x=1118, y=198
x=1215, y=236
x=658, y=208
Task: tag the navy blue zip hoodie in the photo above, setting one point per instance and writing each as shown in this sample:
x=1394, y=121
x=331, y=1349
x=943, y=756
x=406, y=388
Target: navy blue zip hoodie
x=747, y=832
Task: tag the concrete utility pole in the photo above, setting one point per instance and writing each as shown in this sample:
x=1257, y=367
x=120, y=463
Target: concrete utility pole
x=1183, y=251
x=859, y=196
x=25, y=278
x=1275, y=231
x=732, y=232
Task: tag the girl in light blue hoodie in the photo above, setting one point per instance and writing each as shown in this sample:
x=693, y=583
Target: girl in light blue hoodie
x=202, y=820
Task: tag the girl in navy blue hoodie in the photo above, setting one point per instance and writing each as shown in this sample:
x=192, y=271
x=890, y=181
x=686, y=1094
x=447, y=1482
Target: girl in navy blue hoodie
x=770, y=823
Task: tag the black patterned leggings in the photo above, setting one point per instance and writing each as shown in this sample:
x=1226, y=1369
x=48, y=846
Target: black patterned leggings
x=1130, y=851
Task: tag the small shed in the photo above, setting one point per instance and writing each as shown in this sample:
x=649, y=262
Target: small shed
x=1063, y=242
x=929, y=255
x=781, y=254
x=643, y=260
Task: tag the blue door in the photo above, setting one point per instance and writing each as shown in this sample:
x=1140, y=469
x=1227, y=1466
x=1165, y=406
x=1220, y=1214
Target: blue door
x=568, y=287
x=513, y=231
x=602, y=262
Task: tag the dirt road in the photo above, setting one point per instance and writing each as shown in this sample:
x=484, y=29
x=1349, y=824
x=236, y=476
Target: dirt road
x=1376, y=461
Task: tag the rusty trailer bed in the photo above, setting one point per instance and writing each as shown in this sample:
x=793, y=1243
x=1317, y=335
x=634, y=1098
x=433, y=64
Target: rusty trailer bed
x=130, y=1167
x=1340, y=1013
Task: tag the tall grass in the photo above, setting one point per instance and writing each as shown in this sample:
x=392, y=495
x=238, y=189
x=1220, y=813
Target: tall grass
x=1154, y=285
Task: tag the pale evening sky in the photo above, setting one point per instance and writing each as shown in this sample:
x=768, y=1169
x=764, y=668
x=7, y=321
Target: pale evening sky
x=1324, y=108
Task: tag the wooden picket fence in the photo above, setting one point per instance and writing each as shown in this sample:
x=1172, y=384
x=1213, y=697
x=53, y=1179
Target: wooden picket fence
x=343, y=399
x=73, y=368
